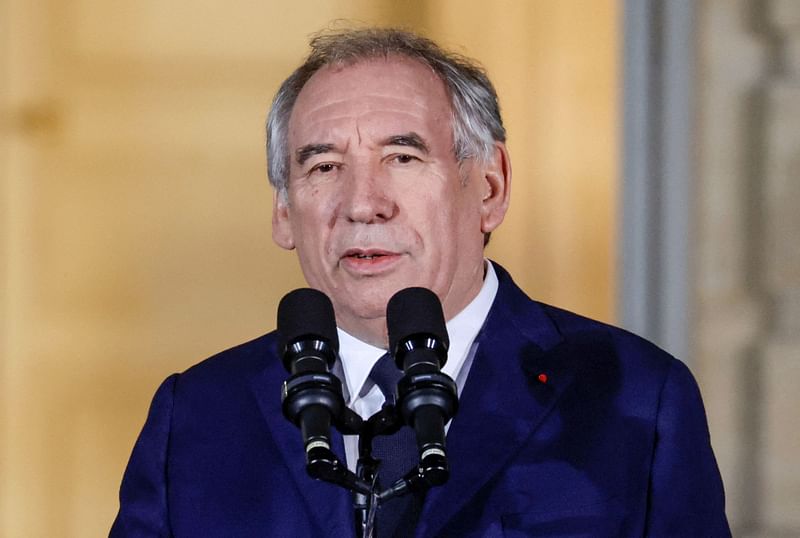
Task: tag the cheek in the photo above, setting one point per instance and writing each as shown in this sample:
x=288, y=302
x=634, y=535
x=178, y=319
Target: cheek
x=313, y=207
x=440, y=228
x=463, y=224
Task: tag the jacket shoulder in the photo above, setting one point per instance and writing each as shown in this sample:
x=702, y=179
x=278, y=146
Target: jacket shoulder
x=550, y=326
x=234, y=365
x=574, y=326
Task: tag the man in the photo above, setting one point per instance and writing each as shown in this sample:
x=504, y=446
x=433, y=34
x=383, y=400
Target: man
x=390, y=170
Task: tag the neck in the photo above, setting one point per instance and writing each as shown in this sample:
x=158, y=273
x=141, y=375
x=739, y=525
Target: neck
x=372, y=330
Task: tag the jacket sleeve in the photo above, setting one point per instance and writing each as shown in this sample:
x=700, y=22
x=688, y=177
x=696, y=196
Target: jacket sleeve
x=143, y=495
x=685, y=495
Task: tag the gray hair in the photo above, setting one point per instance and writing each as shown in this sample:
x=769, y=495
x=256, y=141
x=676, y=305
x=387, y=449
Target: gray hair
x=476, y=113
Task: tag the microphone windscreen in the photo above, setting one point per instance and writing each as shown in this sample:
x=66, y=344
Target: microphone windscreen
x=306, y=313
x=415, y=311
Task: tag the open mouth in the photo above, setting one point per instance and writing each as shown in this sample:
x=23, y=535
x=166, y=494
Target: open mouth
x=367, y=254
x=365, y=261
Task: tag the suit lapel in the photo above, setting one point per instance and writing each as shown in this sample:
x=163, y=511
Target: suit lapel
x=328, y=505
x=502, y=402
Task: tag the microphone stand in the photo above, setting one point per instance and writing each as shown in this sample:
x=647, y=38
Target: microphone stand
x=385, y=422
x=323, y=464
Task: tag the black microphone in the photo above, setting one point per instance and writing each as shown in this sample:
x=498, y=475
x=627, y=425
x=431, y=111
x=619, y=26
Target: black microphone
x=427, y=398
x=312, y=397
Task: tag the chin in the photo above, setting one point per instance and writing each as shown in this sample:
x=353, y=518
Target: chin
x=367, y=302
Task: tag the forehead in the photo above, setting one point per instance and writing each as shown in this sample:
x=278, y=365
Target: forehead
x=386, y=89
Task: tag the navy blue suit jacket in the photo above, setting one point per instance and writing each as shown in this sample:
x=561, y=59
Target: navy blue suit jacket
x=567, y=427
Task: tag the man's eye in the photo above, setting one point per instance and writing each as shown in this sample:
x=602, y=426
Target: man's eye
x=324, y=168
x=404, y=158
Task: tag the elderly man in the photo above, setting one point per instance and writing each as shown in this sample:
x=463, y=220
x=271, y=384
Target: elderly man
x=390, y=170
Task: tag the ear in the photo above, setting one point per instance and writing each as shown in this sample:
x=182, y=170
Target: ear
x=497, y=188
x=281, y=227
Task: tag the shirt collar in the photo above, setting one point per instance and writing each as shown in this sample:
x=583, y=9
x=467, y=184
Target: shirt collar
x=464, y=327
x=358, y=357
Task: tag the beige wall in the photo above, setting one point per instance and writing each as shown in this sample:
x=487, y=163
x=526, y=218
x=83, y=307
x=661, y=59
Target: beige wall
x=134, y=216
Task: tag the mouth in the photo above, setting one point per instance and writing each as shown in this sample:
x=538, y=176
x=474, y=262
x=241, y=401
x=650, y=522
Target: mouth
x=367, y=254
x=369, y=261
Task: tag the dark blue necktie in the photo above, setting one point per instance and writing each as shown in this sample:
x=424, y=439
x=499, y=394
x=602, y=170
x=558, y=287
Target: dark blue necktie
x=398, y=454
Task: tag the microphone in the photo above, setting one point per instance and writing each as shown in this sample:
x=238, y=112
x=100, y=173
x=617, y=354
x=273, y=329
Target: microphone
x=312, y=397
x=427, y=398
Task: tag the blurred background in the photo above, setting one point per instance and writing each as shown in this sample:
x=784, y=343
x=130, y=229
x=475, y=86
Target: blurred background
x=656, y=154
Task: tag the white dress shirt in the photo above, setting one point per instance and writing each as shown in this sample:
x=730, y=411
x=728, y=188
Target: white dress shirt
x=358, y=358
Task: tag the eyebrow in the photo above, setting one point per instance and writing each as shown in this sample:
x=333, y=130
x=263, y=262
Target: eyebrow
x=304, y=153
x=412, y=140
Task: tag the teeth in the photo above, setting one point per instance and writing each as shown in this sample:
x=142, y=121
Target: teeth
x=364, y=257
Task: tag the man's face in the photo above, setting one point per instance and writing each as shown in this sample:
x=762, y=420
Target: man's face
x=376, y=199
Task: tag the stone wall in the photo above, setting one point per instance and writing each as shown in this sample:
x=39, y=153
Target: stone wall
x=746, y=271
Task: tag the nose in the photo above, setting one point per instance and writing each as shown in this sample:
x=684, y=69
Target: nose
x=366, y=197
